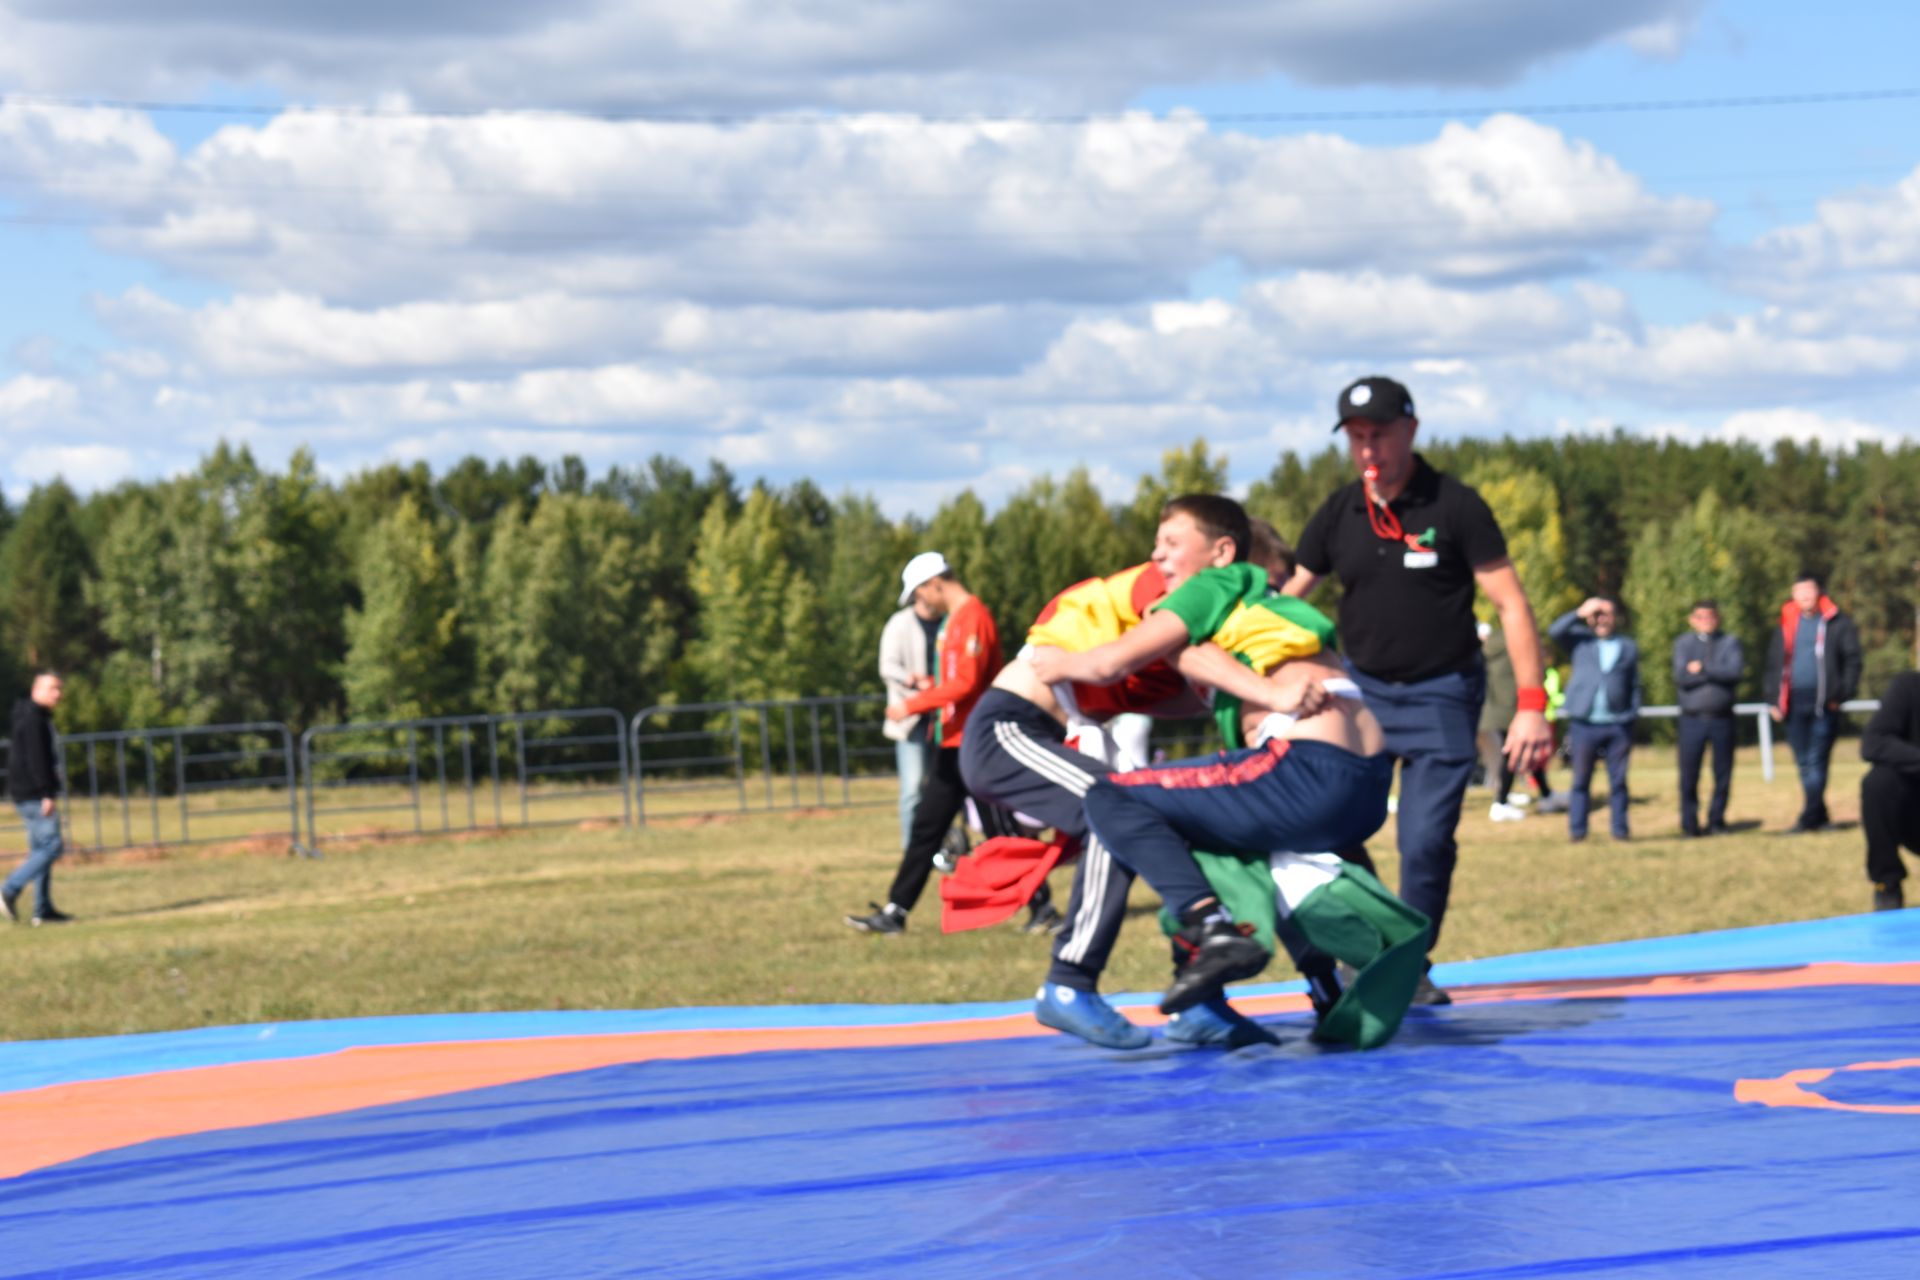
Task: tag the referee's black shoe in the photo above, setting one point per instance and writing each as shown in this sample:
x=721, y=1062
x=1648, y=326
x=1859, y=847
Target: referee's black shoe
x=887, y=919
x=1217, y=952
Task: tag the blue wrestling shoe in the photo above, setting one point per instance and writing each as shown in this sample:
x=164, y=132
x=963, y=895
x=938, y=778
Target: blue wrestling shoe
x=1085, y=1014
x=1217, y=1024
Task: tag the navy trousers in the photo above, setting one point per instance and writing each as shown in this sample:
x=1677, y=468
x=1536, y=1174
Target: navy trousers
x=1016, y=755
x=1432, y=728
x=1306, y=797
x=1587, y=744
x=1697, y=733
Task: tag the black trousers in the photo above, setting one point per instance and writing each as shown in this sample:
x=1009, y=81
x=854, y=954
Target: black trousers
x=1697, y=733
x=1890, y=815
x=943, y=795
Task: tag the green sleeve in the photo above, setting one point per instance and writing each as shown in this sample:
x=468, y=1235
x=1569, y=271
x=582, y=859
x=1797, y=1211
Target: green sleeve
x=1205, y=601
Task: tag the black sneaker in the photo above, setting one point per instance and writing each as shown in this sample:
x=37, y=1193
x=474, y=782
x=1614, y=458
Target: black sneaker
x=1889, y=897
x=51, y=915
x=1428, y=994
x=883, y=920
x=8, y=900
x=1217, y=953
x=1046, y=918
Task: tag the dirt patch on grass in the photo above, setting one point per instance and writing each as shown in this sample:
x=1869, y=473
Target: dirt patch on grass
x=240, y=847
x=685, y=821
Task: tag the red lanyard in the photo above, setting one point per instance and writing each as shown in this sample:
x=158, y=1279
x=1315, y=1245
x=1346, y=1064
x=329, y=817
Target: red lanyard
x=1380, y=516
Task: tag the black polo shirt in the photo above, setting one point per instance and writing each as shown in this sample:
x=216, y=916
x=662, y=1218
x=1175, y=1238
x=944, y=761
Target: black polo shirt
x=1405, y=614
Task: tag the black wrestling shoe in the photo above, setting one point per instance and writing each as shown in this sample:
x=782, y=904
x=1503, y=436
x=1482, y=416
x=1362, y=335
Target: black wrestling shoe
x=51, y=915
x=8, y=900
x=883, y=920
x=1428, y=994
x=1889, y=897
x=1216, y=953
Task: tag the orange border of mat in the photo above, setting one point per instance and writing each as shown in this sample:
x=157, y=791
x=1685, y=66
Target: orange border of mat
x=56, y=1123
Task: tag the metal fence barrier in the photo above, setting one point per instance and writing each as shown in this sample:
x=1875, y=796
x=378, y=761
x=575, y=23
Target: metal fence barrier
x=762, y=756
x=464, y=773
x=1763, y=719
x=141, y=788
x=135, y=788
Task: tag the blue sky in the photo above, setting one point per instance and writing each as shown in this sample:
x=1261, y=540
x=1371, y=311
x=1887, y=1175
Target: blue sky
x=871, y=276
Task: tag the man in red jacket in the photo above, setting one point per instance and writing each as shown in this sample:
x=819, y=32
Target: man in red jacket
x=969, y=653
x=1813, y=665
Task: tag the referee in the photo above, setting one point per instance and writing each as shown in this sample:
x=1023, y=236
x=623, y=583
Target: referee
x=1409, y=545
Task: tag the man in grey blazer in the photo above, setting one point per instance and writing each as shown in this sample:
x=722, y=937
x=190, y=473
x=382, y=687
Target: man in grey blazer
x=1603, y=700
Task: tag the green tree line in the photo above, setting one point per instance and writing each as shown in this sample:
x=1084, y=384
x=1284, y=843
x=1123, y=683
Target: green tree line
x=236, y=592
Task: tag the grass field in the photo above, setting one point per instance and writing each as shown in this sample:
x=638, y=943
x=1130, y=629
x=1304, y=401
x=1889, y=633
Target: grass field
x=746, y=910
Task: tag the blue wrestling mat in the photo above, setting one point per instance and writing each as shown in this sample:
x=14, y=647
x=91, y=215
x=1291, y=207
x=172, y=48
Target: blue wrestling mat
x=1739, y=1104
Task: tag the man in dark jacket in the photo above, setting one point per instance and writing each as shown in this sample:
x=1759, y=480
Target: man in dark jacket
x=1813, y=665
x=1603, y=701
x=1707, y=666
x=1890, y=793
x=33, y=779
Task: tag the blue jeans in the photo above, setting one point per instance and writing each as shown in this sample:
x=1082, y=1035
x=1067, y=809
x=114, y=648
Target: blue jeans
x=910, y=757
x=1432, y=726
x=43, y=847
x=1586, y=743
x=1810, y=732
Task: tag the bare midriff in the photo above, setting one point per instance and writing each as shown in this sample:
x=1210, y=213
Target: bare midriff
x=1019, y=679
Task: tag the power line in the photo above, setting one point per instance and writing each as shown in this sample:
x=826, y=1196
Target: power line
x=818, y=118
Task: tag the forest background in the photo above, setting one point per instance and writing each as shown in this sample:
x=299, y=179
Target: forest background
x=236, y=593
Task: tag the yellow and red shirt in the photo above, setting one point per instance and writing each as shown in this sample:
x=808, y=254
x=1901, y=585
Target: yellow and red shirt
x=1099, y=610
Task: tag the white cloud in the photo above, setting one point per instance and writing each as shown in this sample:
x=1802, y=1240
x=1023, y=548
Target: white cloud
x=84, y=466
x=1734, y=361
x=749, y=54
x=28, y=395
x=870, y=211
x=1872, y=230
x=101, y=158
x=298, y=335
x=1771, y=426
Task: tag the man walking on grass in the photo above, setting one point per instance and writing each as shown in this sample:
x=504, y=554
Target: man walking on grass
x=969, y=659
x=33, y=779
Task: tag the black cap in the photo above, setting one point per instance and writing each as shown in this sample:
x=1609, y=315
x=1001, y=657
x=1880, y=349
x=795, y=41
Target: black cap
x=1376, y=400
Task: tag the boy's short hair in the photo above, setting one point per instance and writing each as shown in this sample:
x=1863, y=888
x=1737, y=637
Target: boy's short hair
x=1704, y=603
x=1269, y=550
x=1216, y=516
x=1808, y=575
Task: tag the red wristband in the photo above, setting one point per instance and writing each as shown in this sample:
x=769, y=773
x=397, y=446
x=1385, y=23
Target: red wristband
x=1533, y=700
